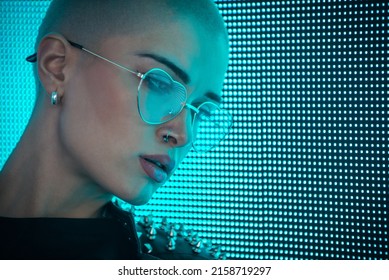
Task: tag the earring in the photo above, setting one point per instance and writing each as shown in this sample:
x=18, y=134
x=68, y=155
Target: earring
x=166, y=137
x=54, y=98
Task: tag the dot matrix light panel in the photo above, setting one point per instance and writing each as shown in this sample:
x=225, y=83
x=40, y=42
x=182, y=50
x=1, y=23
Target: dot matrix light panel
x=304, y=172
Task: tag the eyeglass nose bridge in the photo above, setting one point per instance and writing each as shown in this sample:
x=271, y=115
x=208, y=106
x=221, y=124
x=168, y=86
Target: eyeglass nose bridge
x=191, y=107
x=183, y=106
x=189, y=130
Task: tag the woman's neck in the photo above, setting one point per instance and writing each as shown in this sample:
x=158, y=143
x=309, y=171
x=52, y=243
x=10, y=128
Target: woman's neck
x=38, y=180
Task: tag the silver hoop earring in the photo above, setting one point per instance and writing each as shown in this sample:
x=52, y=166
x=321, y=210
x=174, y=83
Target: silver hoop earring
x=54, y=98
x=166, y=137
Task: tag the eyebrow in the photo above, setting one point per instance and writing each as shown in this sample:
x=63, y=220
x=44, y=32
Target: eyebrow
x=213, y=96
x=177, y=70
x=180, y=73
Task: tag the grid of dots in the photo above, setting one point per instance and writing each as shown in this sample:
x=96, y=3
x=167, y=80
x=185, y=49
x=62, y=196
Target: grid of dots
x=304, y=173
x=19, y=23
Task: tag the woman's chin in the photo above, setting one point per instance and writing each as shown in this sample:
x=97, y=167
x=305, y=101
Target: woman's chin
x=142, y=196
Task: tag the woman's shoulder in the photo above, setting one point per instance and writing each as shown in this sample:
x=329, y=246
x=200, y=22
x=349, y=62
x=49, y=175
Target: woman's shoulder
x=165, y=240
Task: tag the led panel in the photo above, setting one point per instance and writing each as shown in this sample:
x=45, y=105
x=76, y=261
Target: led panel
x=304, y=173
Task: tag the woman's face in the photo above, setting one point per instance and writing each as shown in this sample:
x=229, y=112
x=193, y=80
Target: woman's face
x=101, y=130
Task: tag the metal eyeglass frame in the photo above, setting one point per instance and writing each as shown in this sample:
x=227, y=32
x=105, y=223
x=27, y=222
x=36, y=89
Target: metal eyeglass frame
x=33, y=58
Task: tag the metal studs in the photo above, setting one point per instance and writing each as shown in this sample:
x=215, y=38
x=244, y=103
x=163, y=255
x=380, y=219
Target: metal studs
x=174, y=238
x=182, y=231
x=171, y=246
x=148, y=220
x=151, y=233
x=189, y=235
x=194, y=239
x=215, y=252
x=147, y=248
x=172, y=232
x=197, y=247
x=164, y=223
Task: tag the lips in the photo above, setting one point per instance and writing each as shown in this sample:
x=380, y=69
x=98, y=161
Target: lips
x=157, y=167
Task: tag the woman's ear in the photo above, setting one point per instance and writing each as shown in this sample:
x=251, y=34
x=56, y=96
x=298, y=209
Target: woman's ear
x=54, y=54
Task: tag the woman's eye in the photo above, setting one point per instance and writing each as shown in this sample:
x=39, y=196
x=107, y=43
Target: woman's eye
x=205, y=110
x=204, y=115
x=159, y=84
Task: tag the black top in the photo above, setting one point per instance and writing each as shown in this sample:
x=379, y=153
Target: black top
x=115, y=236
x=68, y=238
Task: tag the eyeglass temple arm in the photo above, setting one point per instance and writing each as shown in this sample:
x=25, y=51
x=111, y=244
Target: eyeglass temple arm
x=33, y=58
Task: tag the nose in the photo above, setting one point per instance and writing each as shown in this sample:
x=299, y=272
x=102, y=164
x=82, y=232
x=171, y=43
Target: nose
x=177, y=132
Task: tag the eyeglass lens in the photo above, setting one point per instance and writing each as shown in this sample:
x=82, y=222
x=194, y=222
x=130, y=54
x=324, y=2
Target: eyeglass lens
x=161, y=99
x=211, y=125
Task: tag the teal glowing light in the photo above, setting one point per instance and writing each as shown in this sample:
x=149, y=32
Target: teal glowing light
x=304, y=172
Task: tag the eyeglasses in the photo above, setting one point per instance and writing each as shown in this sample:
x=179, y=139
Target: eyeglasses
x=161, y=99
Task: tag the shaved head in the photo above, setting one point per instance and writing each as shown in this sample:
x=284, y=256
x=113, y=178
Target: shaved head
x=90, y=21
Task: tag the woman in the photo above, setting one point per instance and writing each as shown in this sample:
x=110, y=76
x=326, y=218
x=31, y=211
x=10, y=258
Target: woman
x=124, y=90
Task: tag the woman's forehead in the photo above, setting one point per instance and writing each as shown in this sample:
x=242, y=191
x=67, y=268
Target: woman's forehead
x=181, y=46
